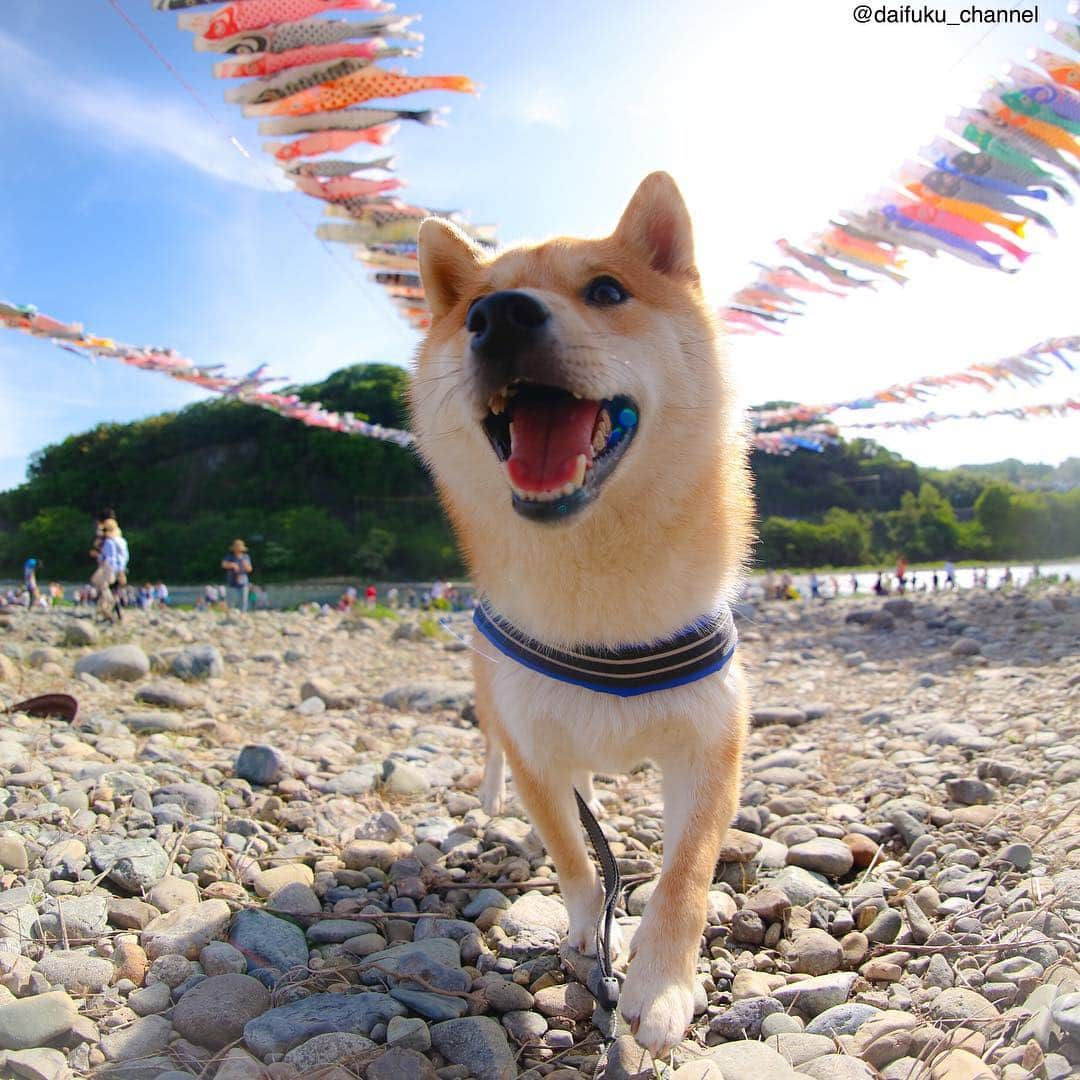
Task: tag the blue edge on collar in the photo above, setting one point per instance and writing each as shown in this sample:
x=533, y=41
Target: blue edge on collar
x=482, y=623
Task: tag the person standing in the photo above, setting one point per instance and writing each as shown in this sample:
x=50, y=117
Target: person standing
x=237, y=565
x=111, y=574
x=30, y=568
x=371, y=597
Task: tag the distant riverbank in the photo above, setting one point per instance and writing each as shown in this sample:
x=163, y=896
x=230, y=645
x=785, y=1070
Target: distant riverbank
x=286, y=595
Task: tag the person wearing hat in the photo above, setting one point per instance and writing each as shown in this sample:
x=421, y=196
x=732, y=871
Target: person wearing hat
x=111, y=574
x=237, y=565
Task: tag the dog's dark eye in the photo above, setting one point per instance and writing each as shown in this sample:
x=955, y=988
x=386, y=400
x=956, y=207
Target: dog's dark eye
x=605, y=291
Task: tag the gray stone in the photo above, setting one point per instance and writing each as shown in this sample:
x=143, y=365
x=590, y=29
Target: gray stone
x=798, y=1047
x=1066, y=1013
x=281, y=1029
x=958, y=1004
x=838, y=1067
x=124, y=663
x=823, y=855
x=133, y=864
x=885, y=928
x=157, y=1067
x=536, y=922
x=400, y=1063
x=523, y=1025
x=802, y=887
x=335, y=931
x=430, y=1006
x=213, y=1014
x=401, y=778
x=260, y=764
x=969, y=791
x=484, y=899
x=965, y=646
x=155, y=720
x=150, y=1000
x=80, y=632
x=33, y=1021
x=168, y=696
x=516, y=835
x=272, y=946
x=294, y=898
x=1019, y=855
x=40, y=1064
x=198, y=662
x=628, y=1061
x=332, y=1048
x=743, y=1019
x=813, y=996
x=781, y=1023
x=778, y=714
x=745, y=1058
x=479, y=1043
x=199, y=800
x=187, y=929
x=82, y=916
x=814, y=952
x=173, y=892
x=426, y=697
x=147, y=1036
x=506, y=996
x=843, y=1019
x=77, y=972
x=408, y=1032
x=221, y=958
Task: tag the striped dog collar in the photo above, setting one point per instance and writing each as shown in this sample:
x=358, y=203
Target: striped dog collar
x=701, y=649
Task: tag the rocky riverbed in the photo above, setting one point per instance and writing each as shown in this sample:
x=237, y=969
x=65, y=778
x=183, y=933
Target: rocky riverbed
x=258, y=852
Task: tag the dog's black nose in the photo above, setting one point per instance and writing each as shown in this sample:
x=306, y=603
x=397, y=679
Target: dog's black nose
x=504, y=322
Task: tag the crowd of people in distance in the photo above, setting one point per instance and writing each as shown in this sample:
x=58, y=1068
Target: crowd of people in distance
x=110, y=591
x=898, y=582
x=441, y=596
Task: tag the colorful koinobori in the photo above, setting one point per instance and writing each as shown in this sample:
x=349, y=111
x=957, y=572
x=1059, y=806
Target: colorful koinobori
x=251, y=388
x=970, y=194
x=818, y=436
x=313, y=78
x=1029, y=367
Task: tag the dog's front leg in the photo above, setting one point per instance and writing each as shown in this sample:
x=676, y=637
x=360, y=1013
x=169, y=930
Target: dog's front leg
x=550, y=804
x=701, y=786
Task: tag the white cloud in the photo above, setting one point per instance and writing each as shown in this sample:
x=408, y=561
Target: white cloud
x=121, y=115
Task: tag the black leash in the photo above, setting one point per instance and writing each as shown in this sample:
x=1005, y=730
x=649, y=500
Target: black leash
x=608, y=995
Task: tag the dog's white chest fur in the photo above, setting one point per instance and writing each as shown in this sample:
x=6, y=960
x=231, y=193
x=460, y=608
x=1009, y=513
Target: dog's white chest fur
x=563, y=728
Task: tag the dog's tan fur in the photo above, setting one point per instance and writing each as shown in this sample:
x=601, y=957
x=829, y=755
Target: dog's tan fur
x=665, y=539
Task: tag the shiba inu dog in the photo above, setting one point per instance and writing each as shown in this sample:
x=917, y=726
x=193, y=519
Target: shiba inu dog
x=573, y=404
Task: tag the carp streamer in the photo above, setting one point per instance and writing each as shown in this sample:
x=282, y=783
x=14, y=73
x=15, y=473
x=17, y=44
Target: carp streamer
x=969, y=195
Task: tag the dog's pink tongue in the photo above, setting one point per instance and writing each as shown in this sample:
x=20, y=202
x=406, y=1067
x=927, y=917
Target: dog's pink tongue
x=547, y=437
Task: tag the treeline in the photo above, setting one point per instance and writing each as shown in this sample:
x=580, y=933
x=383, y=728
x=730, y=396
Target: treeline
x=308, y=502
x=313, y=503
x=1007, y=523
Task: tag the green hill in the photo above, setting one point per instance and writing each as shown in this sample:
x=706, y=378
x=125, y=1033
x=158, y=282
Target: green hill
x=314, y=503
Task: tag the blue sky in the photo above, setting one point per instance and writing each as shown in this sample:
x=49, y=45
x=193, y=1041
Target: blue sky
x=123, y=205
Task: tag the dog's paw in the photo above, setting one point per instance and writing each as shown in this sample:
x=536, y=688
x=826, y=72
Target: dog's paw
x=493, y=802
x=582, y=934
x=658, y=1007
x=492, y=794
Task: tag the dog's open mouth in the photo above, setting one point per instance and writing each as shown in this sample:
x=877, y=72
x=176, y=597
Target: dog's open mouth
x=558, y=448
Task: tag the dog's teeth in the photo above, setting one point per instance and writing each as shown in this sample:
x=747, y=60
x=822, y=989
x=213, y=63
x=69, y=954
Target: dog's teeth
x=580, y=466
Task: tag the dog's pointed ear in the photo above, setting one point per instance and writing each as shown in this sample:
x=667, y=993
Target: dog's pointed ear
x=656, y=227
x=449, y=264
